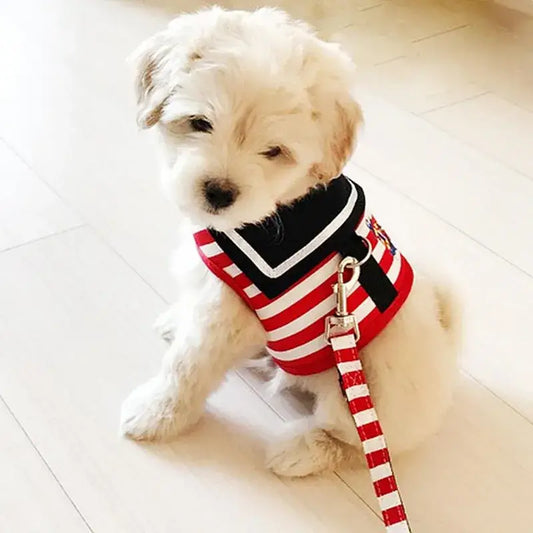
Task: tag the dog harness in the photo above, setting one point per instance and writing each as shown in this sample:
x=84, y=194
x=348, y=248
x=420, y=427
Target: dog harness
x=291, y=270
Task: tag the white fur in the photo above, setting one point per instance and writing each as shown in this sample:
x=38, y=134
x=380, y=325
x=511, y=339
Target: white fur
x=263, y=80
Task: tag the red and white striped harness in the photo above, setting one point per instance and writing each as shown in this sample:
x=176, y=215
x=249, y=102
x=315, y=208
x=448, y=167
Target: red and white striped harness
x=294, y=319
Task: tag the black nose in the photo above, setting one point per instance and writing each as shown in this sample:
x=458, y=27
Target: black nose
x=220, y=193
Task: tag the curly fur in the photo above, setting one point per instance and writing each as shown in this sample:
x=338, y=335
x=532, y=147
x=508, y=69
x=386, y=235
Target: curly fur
x=263, y=80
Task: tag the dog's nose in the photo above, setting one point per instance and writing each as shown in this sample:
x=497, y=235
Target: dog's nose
x=220, y=193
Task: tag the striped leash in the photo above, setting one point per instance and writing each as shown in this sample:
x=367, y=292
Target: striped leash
x=343, y=333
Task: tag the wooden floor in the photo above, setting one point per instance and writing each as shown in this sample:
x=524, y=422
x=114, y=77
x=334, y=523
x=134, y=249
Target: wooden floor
x=85, y=236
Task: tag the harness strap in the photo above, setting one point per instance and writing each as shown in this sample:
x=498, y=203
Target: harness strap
x=372, y=278
x=366, y=420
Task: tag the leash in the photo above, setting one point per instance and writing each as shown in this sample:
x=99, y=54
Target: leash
x=342, y=333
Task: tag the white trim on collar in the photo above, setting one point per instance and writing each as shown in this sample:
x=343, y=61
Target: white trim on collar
x=310, y=247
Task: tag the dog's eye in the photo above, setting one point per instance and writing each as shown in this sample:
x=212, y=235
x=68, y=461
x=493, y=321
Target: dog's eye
x=201, y=124
x=272, y=152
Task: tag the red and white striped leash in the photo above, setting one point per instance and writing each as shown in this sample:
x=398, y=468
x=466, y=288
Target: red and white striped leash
x=343, y=333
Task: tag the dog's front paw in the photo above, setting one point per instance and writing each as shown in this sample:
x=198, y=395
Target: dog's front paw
x=151, y=412
x=308, y=453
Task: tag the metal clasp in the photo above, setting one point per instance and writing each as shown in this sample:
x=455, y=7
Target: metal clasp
x=342, y=319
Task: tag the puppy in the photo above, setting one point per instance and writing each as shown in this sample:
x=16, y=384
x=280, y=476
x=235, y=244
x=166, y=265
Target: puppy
x=251, y=111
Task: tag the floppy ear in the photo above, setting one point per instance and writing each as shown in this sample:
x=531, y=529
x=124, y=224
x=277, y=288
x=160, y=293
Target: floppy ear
x=164, y=61
x=338, y=114
x=151, y=87
x=341, y=141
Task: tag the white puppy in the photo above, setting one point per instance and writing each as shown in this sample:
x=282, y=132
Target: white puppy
x=251, y=111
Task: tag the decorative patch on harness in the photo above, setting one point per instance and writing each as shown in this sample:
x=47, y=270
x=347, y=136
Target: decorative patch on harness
x=373, y=225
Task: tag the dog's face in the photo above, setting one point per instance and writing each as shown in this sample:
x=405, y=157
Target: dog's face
x=251, y=111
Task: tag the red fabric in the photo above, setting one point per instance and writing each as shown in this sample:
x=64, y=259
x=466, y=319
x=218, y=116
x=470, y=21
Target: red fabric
x=301, y=349
x=295, y=322
x=394, y=515
x=379, y=457
x=385, y=487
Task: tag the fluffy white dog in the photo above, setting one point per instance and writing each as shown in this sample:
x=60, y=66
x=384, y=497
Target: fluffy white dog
x=251, y=110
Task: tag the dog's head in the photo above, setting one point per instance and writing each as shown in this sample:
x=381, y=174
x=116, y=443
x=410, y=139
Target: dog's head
x=251, y=111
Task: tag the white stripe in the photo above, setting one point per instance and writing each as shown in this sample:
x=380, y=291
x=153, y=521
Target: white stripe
x=312, y=245
x=357, y=391
x=300, y=351
x=343, y=342
x=380, y=472
x=400, y=527
x=233, y=270
x=325, y=307
x=378, y=251
x=300, y=290
x=366, y=307
x=310, y=283
x=364, y=231
x=374, y=444
x=387, y=501
x=211, y=249
x=365, y=417
x=349, y=366
x=251, y=291
x=394, y=269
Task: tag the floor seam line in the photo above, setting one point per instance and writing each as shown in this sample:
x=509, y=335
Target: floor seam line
x=46, y=464
x=52, y=189
x=450, y=104
x=444, y=32
x=85, y=222
x=283, y=419
x=469, y=144
x=442, y=219
x=505, y=402
x=43, y=238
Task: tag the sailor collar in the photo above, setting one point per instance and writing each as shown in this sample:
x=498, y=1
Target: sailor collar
x=285, y=246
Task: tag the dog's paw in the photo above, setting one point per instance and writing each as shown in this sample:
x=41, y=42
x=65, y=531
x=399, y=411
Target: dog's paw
x=167, y=323
x=151, y=412
x=308, y=453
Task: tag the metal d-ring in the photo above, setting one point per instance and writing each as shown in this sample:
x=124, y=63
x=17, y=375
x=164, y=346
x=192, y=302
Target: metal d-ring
x=368, y=252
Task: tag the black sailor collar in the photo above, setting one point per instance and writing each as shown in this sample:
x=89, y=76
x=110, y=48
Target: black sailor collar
x=285, y=246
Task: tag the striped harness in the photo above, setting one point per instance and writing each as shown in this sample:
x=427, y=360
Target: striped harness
x=290, y=271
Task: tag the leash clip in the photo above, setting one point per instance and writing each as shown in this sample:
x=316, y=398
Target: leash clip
x=342, y=319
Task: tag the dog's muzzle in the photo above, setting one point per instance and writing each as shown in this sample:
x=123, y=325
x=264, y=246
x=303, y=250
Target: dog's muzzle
x=219, y=193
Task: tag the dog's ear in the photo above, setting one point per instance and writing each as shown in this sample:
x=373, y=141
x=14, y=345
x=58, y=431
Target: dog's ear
x=150, y=85
x=335, y=109
x=163, y=61
x=345, y=118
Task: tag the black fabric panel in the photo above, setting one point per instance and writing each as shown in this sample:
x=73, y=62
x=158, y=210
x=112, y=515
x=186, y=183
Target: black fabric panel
x=289, y=230
x=371, y=277
x=282, y=235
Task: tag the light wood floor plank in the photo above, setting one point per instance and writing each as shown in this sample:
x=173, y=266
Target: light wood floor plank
x=29, y=210
x=74, y=318
x=498, y=128
x=31, y=499
x=74, y=340
x=469, y=190
x=474, y=475
x=495, y=295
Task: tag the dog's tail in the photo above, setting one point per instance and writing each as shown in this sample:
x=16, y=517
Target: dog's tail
x=450, y=312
